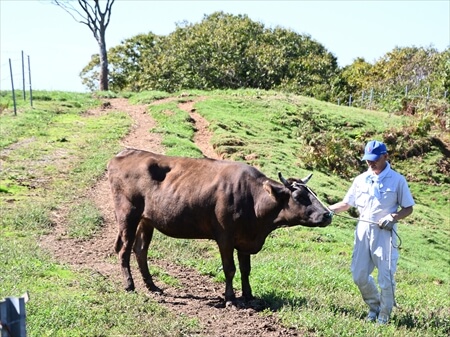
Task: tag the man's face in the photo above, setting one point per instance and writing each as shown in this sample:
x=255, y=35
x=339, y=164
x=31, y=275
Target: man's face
x=378, y=165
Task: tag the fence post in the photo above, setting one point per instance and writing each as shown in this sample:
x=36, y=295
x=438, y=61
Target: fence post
x=29, y=80
x=12, y=316
x=350, y=100
x=12, y=86
x=23, y=79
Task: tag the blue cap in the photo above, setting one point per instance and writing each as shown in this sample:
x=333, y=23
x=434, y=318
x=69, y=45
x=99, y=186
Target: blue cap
x=374, y=149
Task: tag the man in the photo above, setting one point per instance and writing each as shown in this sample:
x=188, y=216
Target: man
x=382, y=197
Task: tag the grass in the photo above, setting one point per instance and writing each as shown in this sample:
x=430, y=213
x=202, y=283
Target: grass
x=68, y=303
x=314, y=291
x=175, y=127
x=84, y=220
x=49, y=155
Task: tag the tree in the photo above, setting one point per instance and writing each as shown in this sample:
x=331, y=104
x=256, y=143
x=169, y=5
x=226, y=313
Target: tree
x=406, y=79
x=223, y=51
x=356, y=75
x=97, y=21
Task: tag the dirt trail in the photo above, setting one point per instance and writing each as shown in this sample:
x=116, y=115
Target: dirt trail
x=198, y=295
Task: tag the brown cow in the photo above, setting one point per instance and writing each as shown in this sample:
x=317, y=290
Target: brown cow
x=229, y=202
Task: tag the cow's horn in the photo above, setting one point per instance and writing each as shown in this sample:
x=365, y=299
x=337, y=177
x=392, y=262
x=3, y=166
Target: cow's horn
x=306, y=179
x=284, y=181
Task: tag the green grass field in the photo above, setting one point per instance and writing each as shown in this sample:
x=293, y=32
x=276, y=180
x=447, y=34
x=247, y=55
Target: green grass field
x=49, y=155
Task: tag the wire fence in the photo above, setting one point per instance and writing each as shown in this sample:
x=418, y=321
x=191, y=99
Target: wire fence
x=19, y=72
x=371, y=99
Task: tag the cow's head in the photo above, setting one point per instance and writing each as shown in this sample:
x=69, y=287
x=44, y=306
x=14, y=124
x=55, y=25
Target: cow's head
x=300, y=204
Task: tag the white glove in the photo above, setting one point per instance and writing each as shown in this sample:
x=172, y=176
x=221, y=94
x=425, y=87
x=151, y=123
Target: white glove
x=387, y=222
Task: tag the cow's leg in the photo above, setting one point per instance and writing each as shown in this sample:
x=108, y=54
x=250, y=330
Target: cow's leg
x=229, y=268
x=143, y=238
x=128, y=219
x=245, y=268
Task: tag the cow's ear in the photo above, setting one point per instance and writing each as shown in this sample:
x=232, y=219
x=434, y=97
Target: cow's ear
x=275, y=192
x=267, y=187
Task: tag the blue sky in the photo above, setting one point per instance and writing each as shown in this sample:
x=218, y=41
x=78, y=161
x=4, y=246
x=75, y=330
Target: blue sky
x=59, y=47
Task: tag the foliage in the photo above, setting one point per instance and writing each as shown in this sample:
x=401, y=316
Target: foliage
x=407, y=80
x=90, y=73
x=411, y=66
x=240, y=53
x=352, y=79
x=130, y=64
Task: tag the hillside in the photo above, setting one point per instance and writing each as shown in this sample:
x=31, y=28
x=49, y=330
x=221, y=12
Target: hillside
x=50, y=159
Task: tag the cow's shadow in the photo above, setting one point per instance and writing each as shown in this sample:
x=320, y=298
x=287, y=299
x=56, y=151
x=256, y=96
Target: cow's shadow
x=272, y=302
x=266, y=302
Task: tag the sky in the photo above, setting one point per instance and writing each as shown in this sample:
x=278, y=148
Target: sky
x=58, y=47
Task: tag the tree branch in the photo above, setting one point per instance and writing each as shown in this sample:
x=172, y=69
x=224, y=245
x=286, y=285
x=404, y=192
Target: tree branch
x=67, y=6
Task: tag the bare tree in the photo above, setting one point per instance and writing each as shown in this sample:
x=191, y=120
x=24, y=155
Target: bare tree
x=97, y=21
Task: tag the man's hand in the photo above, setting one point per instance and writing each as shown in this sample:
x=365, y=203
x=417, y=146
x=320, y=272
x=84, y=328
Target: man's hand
x=387, y=222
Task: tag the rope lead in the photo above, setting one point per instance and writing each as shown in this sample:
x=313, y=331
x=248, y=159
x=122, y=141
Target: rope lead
x=376, y=223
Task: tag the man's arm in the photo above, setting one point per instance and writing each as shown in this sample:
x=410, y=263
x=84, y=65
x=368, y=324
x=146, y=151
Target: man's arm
x=340, y=207
x=402, y=213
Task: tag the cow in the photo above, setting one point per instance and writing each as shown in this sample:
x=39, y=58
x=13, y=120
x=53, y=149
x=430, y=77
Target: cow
x=229, y=202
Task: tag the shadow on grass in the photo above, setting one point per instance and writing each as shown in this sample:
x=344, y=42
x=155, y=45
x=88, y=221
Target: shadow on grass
x=274, y=303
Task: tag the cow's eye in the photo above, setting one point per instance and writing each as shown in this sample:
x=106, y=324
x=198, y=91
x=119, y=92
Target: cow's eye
x=300, y=195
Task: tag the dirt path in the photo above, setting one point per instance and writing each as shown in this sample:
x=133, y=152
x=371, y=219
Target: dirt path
x=198, y=295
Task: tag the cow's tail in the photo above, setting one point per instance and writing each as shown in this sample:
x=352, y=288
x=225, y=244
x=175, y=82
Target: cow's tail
x=118, y=244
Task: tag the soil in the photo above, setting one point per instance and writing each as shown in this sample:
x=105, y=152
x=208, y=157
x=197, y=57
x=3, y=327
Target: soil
x=198, y=297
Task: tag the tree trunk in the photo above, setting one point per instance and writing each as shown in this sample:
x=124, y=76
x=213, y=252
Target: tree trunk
x=104, y=85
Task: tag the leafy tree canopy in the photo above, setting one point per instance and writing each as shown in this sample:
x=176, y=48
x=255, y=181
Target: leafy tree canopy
x=222, y=51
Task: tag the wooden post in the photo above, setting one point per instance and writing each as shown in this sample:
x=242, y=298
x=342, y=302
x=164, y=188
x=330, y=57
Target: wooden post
x=12, y=86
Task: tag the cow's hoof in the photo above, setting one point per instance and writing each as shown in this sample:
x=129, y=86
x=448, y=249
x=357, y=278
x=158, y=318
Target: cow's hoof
x=130, y=288
x=154, y=289
x=248, y=298
x=230, y=305
x=230, y=301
